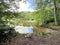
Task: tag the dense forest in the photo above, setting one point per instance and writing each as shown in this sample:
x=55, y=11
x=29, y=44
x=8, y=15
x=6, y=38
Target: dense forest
x=45, y=20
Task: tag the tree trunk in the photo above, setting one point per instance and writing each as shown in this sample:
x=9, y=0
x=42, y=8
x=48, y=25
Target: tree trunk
x=55, y=13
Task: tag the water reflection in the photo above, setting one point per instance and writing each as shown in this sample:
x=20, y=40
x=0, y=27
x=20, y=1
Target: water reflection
x=24, y=29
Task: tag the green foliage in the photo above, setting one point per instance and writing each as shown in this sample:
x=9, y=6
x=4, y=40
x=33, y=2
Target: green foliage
x=43, y=15
x=4, y=6
x=47, y=10
x=42, y=33
x=6, y=17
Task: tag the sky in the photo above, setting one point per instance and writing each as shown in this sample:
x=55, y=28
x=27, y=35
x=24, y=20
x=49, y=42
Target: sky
x=28, y=6
x=23, y=6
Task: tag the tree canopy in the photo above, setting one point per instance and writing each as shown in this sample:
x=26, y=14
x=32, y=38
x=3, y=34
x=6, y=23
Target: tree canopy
x=49, y=6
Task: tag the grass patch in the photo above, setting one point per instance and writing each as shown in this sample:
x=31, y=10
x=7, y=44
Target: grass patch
x=55, y=26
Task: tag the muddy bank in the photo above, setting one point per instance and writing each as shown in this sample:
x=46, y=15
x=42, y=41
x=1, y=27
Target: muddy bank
x=53, y=39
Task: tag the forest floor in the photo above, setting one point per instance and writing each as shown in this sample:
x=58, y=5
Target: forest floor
x=37, y=39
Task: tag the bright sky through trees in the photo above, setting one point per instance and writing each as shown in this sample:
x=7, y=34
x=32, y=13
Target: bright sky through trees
x=27, y=6
x=24, y=5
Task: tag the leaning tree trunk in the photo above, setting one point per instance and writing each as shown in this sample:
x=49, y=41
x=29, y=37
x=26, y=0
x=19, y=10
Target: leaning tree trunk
x=55, y=13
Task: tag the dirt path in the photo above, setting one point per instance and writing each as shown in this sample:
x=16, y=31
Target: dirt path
x=34, y=40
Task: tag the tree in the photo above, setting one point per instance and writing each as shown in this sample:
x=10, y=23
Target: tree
x=55, y=12
x=6, y=14
x=52, y=3
x=6, y=6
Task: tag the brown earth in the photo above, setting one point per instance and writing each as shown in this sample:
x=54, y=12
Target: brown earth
x=49, y=39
